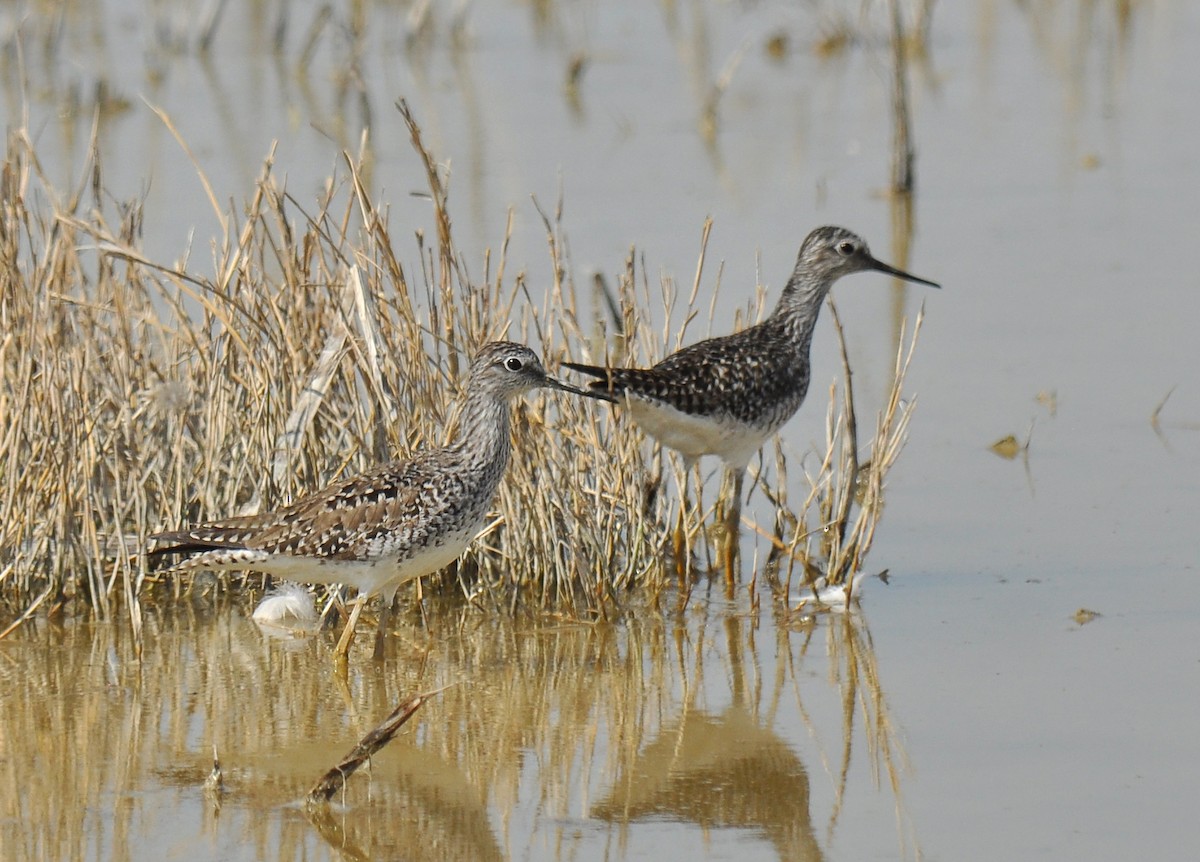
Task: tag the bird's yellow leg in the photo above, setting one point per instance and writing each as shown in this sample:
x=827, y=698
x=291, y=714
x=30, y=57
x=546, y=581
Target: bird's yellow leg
x=347, y=638
x=733, y=527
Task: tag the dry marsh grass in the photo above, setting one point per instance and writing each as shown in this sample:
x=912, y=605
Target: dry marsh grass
x=137, y=394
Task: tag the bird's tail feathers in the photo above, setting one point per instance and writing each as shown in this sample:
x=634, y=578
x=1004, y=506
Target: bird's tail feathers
x=609, y=378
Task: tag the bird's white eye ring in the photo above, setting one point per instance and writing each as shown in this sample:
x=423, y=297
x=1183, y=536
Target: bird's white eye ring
x=513, y=364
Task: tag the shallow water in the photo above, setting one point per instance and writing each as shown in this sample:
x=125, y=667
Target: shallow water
x=1055, y=202
x=711, y=733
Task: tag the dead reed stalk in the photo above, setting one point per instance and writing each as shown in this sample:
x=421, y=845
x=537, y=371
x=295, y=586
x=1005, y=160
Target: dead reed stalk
x=333, y=781
x=833, y=529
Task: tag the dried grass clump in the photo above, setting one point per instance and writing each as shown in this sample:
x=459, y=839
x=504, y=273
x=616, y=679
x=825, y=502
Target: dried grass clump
x=831, y=532
x=137, y=395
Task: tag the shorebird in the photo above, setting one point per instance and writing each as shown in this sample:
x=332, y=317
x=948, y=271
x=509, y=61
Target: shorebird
x=401, y=520
x=726, y=396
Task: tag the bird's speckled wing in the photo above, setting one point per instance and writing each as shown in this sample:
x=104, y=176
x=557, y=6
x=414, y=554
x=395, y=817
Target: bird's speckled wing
x=743, y=376
x=384, y=511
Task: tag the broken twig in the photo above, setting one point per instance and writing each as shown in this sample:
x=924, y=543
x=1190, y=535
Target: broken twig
x=335, y=779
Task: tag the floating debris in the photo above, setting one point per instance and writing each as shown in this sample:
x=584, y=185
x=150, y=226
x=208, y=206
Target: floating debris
x=334, y=780
x=1007, y=447
x=835, y=598
x=288, y=611
x=1048, y=398
x=1083, y=616
x=214, y=784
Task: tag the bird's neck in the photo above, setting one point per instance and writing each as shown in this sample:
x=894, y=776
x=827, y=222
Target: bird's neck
x=483, y=437
x=800, y=305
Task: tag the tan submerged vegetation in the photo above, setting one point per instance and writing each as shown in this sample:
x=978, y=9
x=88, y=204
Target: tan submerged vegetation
x=137, y=394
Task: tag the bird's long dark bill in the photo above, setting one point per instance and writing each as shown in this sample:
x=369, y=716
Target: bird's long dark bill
x=586, y=393
x=899, y=273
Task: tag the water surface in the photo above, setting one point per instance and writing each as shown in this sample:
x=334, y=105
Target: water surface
x=554, y=740
x=1055, y=201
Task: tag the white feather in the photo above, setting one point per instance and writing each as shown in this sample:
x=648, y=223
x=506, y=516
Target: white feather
x=835, y=598
x=288, y=606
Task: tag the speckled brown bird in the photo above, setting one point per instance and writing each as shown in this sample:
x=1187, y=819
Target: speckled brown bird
x=401, y=520
x=726, y=396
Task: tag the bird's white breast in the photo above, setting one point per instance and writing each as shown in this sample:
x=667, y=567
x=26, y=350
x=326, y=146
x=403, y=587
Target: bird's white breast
x=381, y=572
x=733, y=441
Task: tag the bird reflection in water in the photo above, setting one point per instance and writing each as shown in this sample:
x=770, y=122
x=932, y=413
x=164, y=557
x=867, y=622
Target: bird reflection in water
x=734, y=769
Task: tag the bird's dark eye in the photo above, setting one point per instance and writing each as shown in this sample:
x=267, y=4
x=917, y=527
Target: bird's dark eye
x=513, y=364
x=845, y=248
